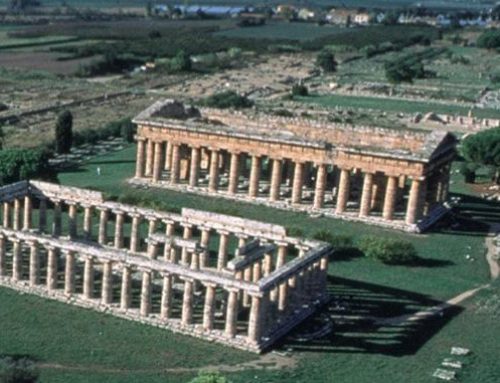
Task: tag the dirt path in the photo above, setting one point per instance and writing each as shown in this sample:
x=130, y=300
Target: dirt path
x=438, y=310
x=270, y=361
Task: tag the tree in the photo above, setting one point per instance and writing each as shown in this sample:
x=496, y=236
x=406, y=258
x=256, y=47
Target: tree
x=326, y=61
x=209, y=377
x=404, y=70
x=21, y=164
x=489, y=39
x=180, y=63
x=300, y=90
x=483, y=149
x=64, y=132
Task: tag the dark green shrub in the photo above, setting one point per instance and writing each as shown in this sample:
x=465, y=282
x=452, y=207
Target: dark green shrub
x=229, y=99
x=468, y=170
x=489, y=39
x=326, y=61
x=295, y=231
x=300, y=90
x=17, y=370
x=389, y=251
x=20, y=164
x=338, y=241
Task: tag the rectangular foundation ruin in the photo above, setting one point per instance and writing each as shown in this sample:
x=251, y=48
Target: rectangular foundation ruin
x=226, y=279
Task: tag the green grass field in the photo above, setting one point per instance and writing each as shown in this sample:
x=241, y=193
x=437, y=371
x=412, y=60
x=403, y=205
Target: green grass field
x=395, y=105
x=77, y=345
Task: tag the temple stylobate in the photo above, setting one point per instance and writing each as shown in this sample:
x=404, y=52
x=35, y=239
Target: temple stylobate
x=235, y=281
x=391, y=177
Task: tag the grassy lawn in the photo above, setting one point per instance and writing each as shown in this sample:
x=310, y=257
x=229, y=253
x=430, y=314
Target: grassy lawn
x=393, y=105
x=113, y=350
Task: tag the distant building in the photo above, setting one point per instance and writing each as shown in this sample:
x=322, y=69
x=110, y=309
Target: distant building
x=340, y=16
x=306, y=14
x=362, y=18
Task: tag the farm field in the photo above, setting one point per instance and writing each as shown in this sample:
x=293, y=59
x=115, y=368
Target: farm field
x=285, y=31
x=395, y=105
x=402, y=352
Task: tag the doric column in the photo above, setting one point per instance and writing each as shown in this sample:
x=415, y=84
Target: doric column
x=187, y=234
x=88, y=278
x=176, y=164
x=103, y=227
x=72, y=220
x=231, y=313
x=16, y=260
x=152, y=226
x=213, y=180
x=253, y=190
x=274, y=194
x=247, y=276
x=187, y=303
x=119, y=230
x=168, y=156
x=254, y=322
x=51, y=268
x=28, y=208
x=6, y=214
x=414, y=208
x=282, y=296
x=222, y=255
x=298, y=180
x=3, y=256
x=17, y=214
x=319, y=192
x=87, y=222
x=145, y=309
x=69, y=274
x=134, y=233
x=242, y=240
x=166, y=297
x=34, y=264
x=390, y=197
x=157, y=162
x=149, y=158
x=366, y=195
x=268, y=264
x=234, y=172
x=139, y=162
x=209, y=307
x=194, y=172
x=152, y=249
x=281, y=258
x=126, y=288
x=107, y=283
x=256, y=271
x=343, y=192
x=205, y=237
x=42, y=215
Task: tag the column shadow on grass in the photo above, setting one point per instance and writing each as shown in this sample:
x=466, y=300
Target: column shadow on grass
x=354, y=314
x=472, y=216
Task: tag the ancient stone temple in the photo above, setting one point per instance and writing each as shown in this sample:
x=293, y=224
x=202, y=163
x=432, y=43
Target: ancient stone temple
x=226, y=279
x=390, y=177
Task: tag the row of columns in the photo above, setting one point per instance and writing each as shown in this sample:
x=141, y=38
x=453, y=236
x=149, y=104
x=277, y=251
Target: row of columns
x=53, y=256
x=151, y=163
